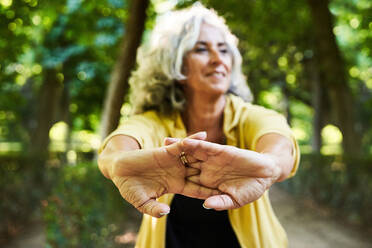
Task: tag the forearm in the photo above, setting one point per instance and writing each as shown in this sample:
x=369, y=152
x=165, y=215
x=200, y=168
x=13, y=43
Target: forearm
x=280, y=149
x=112, y=151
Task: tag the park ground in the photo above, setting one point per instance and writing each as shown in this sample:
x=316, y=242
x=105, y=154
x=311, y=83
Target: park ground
x=308, y=225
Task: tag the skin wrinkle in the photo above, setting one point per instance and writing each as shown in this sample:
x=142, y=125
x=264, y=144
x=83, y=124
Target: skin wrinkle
x=257, y=187
x=212, y=191
x=156, y=195
x=216, y=172
x=224, y=188
x=226, y=165
x=229, y=163
x=236, y=204
x=159, y=166
x=142, y=206
x=128, y=193
x=116, y=163
x=272, y=168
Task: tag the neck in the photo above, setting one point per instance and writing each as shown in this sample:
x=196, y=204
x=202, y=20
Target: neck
x=203, y=113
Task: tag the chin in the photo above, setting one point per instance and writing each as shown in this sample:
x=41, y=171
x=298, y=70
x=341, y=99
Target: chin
x=218, y=89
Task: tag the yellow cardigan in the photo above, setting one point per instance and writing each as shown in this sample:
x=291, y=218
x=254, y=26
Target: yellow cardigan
x=254, y=224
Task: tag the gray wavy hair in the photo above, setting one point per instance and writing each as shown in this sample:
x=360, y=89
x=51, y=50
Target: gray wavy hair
x=154, y=84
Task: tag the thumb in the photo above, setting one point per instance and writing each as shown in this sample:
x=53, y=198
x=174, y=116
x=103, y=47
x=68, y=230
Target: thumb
x=154, y=208
x=143, y=199
x=220, y=202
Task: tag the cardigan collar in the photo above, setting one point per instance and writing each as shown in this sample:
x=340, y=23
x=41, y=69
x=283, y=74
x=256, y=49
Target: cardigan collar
x=232, y=112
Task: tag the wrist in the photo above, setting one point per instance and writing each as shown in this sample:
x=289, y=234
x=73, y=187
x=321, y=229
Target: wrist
x=276, y=170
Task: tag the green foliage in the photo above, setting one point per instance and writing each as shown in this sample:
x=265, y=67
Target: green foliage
x=77, y=40
x=84, y=209
x=353, y=29
x=343, y=183
x=80, y=207
x=22, y=186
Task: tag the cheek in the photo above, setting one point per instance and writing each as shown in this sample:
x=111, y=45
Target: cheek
x=228, y=63
x=194, y=69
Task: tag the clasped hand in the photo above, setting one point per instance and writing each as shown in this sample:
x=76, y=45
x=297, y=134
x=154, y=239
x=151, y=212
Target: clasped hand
x=241, y=176
x=225, y=176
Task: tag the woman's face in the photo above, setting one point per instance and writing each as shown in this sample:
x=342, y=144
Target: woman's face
x=208, y=65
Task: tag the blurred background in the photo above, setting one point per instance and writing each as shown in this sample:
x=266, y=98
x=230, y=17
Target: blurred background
x=64, y=66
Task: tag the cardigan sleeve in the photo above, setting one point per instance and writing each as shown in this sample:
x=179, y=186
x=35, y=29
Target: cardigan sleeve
x=146, y=128
x=259, y=121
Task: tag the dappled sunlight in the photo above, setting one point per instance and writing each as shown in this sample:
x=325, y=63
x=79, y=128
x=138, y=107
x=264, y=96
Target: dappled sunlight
x=58, y=132
x=291, y=79
x=299, y=133
x=58, y=136
x=83, y=140
x=6, y=147
x=331, y=135
x=301, y=124
x=332, y=140
x=6, y=3
x=273, y=98
x=71, y=157
x=283, y=62
x=162, y=6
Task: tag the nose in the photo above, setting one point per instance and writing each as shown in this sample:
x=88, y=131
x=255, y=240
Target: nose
x=215, y=57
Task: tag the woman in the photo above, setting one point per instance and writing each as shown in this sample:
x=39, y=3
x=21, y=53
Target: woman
x=193, y=137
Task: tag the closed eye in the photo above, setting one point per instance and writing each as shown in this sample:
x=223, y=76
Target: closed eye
x=200, y=49
x=224, y=51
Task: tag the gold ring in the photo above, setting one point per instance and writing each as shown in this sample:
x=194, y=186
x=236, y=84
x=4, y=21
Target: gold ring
x=184, y=159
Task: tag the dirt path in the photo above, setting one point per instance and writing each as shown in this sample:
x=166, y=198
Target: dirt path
x=32, y=237
x=307, y=226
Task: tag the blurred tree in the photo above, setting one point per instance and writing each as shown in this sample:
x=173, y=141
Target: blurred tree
x=291, y=46
x=77, y=43
x=65, y=47
x=333, y=75
x=118, y=86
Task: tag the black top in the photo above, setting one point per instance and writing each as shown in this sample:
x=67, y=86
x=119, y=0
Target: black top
x=189, y=225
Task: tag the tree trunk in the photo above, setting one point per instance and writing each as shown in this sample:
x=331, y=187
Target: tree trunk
x=118, y=86
x=319, y=106
x=333, y=75
x=48, y=104
x=287, y=110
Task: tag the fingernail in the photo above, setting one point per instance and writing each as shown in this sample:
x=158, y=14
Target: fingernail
x=172, y=139
x=162, y=214
x=190, y=141
x=205, y=207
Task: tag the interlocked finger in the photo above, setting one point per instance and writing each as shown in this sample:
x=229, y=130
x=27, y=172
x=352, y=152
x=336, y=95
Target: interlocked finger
x=194, y=179
x=195, y=190
x=200, y=149
x=192, y=171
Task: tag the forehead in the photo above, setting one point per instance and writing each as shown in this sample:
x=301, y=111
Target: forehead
x=211, y=34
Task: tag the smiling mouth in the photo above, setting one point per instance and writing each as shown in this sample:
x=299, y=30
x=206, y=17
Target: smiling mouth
x=216, y=73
